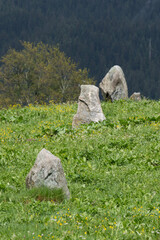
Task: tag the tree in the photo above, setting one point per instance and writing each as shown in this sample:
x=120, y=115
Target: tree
x=40, y=73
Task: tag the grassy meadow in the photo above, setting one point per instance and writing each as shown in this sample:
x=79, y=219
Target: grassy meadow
x=112, y=169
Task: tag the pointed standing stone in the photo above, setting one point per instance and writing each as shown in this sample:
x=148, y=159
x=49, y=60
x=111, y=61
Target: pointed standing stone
x=113, y=85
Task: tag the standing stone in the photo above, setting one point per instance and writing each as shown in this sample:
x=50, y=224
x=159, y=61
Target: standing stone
x=113, y=85
x=48, y=172
x=136, y=96
x=89, y=106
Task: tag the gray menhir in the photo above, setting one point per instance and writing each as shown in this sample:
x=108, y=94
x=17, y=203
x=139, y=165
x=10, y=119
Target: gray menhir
x=47, y=172
x=89, y=106
x=113, y=86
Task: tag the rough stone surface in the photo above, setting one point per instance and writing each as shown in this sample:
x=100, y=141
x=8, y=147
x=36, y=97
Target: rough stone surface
x=136, y=96
x=113, y=86
x=47, y=171
x=89, y=106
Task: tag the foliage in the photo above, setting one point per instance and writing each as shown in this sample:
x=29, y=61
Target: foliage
x=112, y=169
x=46, y=194
x=39, y=73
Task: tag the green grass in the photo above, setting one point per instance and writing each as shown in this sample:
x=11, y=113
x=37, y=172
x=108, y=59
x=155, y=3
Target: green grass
x=112, y=169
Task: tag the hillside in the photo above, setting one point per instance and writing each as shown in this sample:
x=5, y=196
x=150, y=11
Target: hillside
x=96, y=34
x=112, y=169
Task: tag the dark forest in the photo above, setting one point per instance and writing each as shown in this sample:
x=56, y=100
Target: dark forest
x=95, y=34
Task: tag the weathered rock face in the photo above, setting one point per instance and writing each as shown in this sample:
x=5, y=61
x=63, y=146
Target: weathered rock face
x=113, y=85
x=47, y=171
x=89, y=106
x=136, y=96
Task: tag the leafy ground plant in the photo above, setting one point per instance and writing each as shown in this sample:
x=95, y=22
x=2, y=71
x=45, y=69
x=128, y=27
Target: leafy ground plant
x=46, y=194
x=112, y=169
